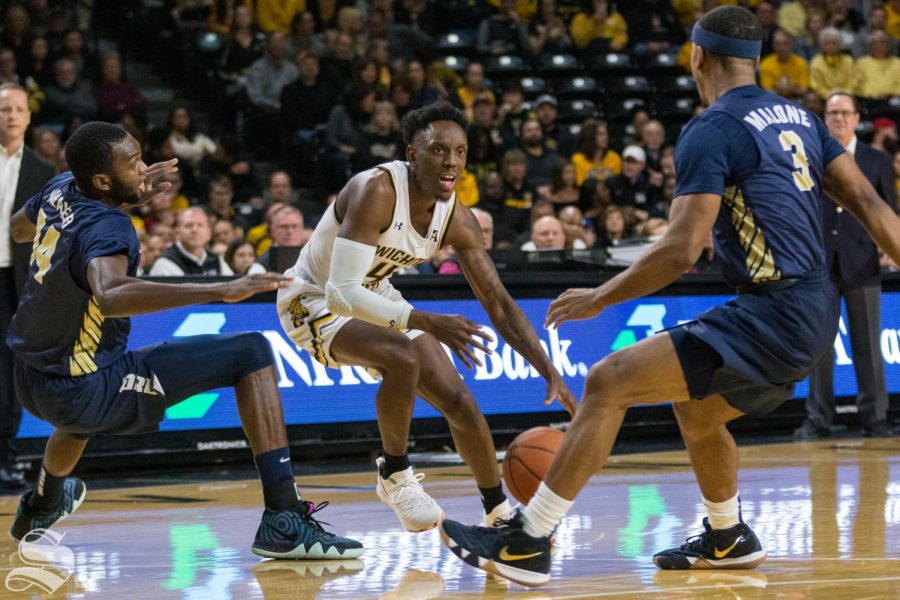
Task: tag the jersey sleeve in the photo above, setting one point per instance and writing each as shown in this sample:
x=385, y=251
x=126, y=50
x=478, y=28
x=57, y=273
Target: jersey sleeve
x=707, y=154
x=831, y=148
x=107, y=237
x=32, y=206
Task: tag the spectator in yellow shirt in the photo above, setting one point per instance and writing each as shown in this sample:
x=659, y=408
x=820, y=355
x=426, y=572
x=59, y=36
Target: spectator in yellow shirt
x=277, y=15
x=594, y=158
x=608, y=28
x=792, y=16
x=893, y=18
x=784, y=72
x=879, y=74
x=832, y=70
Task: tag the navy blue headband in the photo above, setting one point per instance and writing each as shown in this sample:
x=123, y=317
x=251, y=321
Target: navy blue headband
x=728, y=46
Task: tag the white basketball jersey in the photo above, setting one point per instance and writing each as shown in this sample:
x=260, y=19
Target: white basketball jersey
x=399, y=247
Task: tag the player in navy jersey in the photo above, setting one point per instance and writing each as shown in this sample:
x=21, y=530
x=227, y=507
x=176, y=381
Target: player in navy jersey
x=752, y=168
x=70, y=332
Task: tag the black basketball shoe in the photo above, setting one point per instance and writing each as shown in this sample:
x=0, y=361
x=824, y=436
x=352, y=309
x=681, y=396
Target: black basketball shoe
x=296, y=534
x=504, y=550
x=733, y=548
x=27, y=518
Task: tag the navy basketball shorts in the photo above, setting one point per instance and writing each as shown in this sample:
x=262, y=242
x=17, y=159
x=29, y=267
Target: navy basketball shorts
x=131, y=395
x=754, y=349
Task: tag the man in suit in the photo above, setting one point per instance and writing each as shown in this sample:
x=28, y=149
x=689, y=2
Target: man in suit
x=22, y=174
x=853, y=258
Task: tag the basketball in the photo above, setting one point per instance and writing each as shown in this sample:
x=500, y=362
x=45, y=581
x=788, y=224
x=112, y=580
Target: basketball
x=528, y=459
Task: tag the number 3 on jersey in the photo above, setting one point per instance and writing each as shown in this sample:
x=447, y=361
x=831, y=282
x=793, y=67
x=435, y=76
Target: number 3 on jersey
x=42, y=250
x=792, y=143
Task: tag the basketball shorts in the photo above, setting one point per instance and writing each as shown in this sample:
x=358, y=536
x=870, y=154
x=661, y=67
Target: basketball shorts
x=307, y=321
x=754, y=349
x=131, y=395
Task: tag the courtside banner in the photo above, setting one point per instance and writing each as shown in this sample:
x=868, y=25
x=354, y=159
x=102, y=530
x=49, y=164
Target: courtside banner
x=505, y=384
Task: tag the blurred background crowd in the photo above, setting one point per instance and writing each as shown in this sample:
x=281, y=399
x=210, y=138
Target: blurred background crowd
x=574, y=106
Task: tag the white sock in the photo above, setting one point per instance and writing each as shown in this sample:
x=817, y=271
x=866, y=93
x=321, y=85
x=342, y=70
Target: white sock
x=723, y=515
x=544, y=512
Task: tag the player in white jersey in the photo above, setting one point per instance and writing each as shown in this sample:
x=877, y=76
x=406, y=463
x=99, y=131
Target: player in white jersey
x=344, y=311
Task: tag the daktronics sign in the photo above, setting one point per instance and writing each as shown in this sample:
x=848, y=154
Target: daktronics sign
x=505, y=383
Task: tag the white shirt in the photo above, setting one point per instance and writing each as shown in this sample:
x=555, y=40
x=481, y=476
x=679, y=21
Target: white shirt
x=163, y=267
x=399, y=247
x=851, y=147
x=10, y=165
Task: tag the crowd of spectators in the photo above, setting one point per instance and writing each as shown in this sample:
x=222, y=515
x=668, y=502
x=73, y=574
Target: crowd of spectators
x=574, y=106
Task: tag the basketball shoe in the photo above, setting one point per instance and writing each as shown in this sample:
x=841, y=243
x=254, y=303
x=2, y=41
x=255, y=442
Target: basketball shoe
x=402, y=492
x=28, y=518
x=502, y=514
x=733, y=548
x=504, y=550
x=295, y=533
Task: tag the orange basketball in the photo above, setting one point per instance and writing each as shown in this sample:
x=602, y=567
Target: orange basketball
x=528, y=459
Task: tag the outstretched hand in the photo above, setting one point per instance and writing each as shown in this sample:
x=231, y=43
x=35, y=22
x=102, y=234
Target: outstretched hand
x=573, y=305
x=461, y=335
x=250, y=285
x=559, y=391
x=154, y=180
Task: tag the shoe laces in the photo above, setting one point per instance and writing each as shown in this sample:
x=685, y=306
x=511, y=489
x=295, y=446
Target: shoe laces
x=310, y=510
x=409, y=491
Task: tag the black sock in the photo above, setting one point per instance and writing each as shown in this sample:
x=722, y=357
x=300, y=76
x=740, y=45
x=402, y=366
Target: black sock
x=48, y=492
x=392, y=464
x=277, y=476
x=492, y=497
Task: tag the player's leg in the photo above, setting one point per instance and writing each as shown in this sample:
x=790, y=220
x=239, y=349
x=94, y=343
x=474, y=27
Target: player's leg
x=244, y=361
x=710, y=446
x=442, y=387
x=521, y=552
x=727, y=542
x=391, y=354
x=56, y=495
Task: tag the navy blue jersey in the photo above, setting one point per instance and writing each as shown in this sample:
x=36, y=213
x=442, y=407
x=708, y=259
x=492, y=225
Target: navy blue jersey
x=58, y=327
x=766, y=157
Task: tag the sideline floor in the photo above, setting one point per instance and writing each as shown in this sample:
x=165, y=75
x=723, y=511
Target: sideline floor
x=827, y=513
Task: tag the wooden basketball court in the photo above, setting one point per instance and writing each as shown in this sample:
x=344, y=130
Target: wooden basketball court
x=827, y=513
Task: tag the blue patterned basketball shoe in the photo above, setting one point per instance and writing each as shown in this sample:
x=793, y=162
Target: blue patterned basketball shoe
x=733, y=548
x=28, y=518
x=295, y=533
x=504, y=549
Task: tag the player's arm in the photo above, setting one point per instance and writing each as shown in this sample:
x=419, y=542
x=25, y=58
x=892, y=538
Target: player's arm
x=365, y=208
x=506, y=316
x=691, y=219
x=119, y=295
x=849, y=187
x=21, y=227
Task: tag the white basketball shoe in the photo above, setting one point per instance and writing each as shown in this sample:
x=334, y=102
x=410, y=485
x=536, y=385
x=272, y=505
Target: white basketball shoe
x=403, y=493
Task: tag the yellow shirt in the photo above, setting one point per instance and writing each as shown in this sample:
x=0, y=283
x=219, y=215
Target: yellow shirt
x=792, y=18
x=259, y=237
x=585, y=167
x=584, y=29
x=878, y=76
x=829, y=73
x=686, y=9
x=771, y=70
x=524, y=8
x=138, y=223
x=893, y=21
x=467, y=189
x=684, y=55
x=276, y=15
